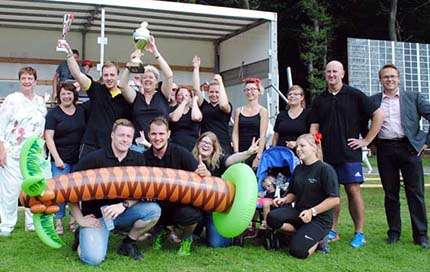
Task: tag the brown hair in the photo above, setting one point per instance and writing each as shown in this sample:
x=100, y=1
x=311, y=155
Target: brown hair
x=111, y=64
x=214, y=160
x=183, y=87
x=28, y=70
x=122, y=122
x=69, y=87
x=159, y=120
x=389, y=66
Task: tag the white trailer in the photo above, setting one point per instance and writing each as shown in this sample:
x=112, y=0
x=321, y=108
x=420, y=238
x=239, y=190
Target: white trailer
x=237, y=43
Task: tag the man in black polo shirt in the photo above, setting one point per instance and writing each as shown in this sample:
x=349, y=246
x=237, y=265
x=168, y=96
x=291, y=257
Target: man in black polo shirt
x=107, y=103
x=135, y=217
x=338, y=113
x=169, y=155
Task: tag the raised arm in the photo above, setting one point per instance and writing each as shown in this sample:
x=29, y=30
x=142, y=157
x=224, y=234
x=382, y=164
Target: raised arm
x=73, y=65
x=166, y=88
x=223, y=98
x=179, y=111
x=196, y=114
x=128, y=92
x=196, y=79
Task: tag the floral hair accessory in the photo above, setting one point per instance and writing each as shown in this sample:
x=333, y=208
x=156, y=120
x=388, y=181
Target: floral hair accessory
x=318, y=137
x=251, y=80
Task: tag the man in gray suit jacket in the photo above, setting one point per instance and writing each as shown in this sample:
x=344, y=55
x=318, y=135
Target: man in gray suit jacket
x=400, y=143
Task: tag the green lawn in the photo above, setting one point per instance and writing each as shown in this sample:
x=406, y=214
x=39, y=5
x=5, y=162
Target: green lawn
x=24, y=252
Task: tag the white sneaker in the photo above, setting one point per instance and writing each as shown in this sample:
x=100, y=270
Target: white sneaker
x=29, y=228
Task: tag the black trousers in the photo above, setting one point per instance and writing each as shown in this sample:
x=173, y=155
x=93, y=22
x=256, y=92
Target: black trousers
x=395, y=156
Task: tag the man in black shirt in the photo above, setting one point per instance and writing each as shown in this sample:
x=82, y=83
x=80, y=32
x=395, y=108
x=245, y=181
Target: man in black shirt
x=338, y=113
x=168, y=155
x=107, y=103
x=135, y=217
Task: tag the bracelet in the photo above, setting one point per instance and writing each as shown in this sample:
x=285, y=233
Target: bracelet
x=69, y=55
x=157, y=57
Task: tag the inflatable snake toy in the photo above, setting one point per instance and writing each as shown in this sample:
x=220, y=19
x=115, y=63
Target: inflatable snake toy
x=232, y=200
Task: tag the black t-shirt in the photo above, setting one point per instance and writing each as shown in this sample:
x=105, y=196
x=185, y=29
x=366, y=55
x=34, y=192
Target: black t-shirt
x=68, y=132
x=216, y=121
x=176, y=157
x=143, y=112
x=184, y=132
x=311, y=184
x=290, y=129
x=340, y=117
x=104, y=111
x=217, y=172
x=105, y=158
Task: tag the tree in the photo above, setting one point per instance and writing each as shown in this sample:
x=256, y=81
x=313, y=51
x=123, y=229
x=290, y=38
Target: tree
x=392, y=21
x=316, y=35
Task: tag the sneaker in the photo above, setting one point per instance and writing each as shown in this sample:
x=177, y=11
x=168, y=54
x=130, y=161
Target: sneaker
x=323, y=246
x=333, y=236
x=174, y=238
x=131, y=250
x=185, y=248
x=29, y=228
x=159, y=240
x=249, y=234
x=359, y=240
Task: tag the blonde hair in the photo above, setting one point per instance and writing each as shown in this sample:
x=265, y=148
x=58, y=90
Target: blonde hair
x=298, y=88
x=214, y=160
x=152, y=69
x=311, y=140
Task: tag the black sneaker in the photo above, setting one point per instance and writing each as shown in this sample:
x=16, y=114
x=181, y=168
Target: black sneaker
x=131, y=250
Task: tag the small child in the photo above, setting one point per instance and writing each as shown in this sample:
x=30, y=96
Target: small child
x=265, y=199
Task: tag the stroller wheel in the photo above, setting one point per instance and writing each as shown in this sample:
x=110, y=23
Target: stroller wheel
x=267, y=243
x=275, y=241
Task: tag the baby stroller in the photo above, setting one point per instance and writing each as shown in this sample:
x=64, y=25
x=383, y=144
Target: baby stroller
x=279, y=162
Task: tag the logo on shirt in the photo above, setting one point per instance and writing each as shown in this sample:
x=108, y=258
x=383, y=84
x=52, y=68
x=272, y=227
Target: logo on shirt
x=357, y=174
x=312, y=180
x=309, y=238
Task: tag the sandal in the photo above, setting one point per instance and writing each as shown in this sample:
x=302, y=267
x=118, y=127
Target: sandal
x=72, y=225
x=263, y=225
x=59, y=227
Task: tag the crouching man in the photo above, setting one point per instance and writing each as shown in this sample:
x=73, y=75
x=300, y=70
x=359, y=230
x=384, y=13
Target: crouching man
x=133, y=216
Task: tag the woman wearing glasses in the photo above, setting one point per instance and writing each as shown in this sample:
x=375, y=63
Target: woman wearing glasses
x=250, y=121
x=292, y=122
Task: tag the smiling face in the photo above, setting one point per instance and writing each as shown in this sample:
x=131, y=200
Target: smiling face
x=122, y=138
x=66, y=97
x=305, y=150
x=206, y=147
x=334, y=74
x=149, y=81
x=390, y=80
x=27, y=83
x=110, y=77
x=213, y=94
x=158, y=136
x=295, y=96
x=251, y=91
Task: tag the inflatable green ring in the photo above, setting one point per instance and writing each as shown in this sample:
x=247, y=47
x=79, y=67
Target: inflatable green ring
x=233, y=222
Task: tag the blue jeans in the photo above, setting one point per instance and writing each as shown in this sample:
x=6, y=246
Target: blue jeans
x=68, y=168
x=93, y=242
x=213, y=237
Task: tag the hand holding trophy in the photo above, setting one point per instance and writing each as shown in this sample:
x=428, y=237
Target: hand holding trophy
x=141, y=37
x=67, y=22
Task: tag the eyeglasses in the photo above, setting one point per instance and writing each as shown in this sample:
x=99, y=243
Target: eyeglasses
x=250, y=89
x=175, y=89
x=206, y=143
x=389, y=77
x=294, y=94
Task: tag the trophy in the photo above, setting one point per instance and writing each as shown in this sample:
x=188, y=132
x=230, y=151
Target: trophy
x=140, y=37
x=67, y=22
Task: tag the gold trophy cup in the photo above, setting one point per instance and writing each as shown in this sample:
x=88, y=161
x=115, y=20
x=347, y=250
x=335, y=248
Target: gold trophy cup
x=140, y=36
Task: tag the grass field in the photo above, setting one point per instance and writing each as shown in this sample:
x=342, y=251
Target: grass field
x=25, y=252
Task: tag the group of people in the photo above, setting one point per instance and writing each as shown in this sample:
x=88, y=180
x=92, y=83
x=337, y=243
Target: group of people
x=175, y=127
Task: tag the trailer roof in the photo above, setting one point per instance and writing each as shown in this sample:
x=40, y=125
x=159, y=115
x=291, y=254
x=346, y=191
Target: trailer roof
x=166, y=19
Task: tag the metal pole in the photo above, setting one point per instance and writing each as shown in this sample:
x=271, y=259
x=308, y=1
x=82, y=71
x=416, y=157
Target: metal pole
x=278, y=91
x=102, y=41
x=289, y=77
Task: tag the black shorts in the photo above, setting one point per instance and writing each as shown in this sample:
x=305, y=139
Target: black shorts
x=178, y=214
x=306, y=235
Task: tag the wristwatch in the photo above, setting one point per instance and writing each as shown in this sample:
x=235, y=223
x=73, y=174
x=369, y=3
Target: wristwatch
x=314, y=212
x=126, y=204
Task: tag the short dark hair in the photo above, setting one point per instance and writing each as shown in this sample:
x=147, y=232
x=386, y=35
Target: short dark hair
x=67, y=85
x=390, y=65
x=122, y=122
x=159, y=120
x=75, y=51
x=28, y=70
